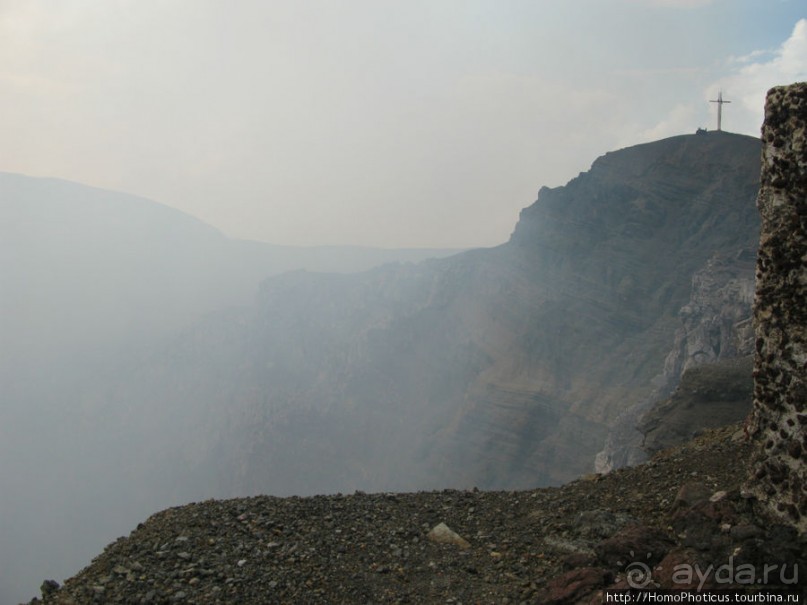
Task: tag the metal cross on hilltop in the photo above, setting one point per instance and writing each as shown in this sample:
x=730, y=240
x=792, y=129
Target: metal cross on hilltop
x=719, y=102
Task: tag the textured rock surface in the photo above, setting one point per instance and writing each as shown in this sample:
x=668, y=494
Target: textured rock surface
x=715, y=329
x=780, y=309
x=709, y=395
x=716, y=322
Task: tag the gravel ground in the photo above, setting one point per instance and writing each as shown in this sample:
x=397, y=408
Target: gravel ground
x=376, y=548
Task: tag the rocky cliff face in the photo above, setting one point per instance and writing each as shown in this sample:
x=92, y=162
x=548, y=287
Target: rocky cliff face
x=711, y=357
x=714, y=330
x=497, y=368
x=709, y=395
x=780, y=309
x=716, y=322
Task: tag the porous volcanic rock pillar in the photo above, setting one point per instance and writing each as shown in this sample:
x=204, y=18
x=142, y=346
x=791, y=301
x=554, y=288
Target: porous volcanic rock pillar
x=779, y=423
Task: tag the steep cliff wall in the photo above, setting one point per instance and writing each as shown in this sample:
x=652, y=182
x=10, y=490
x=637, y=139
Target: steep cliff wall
x=780, y=309
x=498, y=368
x=616, y=250
x=706, y=377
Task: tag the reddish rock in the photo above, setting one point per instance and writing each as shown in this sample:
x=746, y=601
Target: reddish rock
x=579, y=559
x=698, y=526
x=575, y=586
x=635, y=543
x=691, y=493
x=681, y=569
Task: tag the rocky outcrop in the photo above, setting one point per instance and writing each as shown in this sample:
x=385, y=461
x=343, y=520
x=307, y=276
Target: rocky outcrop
x=715, y=330
x=716, y=322
x=709, y=395
x=780, y=310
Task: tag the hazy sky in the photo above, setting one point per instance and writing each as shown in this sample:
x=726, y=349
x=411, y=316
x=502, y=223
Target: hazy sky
x=407, y=123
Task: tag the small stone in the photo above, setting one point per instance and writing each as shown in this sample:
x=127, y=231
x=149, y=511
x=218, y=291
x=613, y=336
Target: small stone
x=598, y=524
x=691, y=493
x=241, y=562
x=442, y=534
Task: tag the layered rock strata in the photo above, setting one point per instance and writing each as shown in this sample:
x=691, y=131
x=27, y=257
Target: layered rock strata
x=780, y=309
x=706, y=379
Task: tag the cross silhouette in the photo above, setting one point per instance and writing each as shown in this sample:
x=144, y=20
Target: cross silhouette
x=719, y=102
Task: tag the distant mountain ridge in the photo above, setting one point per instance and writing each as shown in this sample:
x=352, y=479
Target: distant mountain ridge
x=92, y=282
x=122, y=262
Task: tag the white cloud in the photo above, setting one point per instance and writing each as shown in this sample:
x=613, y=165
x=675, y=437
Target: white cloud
x=754, y=74
x=679, y=120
